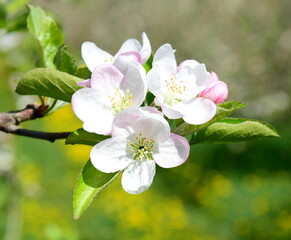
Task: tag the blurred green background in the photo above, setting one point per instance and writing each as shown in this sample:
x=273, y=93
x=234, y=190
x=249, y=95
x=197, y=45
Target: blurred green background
x=232, y=191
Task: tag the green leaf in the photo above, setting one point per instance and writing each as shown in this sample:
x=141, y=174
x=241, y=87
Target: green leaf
x=46, y=31
x=80, y=136
x=148, y=64
x=235, y=130
x=3, y=15
x=48, y=82
x=90, y=182
x=223, y=110
x=83, y=72
x=65, y=62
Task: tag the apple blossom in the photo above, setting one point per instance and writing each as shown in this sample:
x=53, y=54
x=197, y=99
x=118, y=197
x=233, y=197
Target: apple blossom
x=131, y=50
x=141, y=138
x=177, y=89
x=110, y=92
x=217, y=91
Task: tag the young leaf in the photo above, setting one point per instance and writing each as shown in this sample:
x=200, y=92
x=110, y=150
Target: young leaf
x=65, y=62
x=46, y=31
x=235, y=130
x=148, y=64
x=80, y=136
x=223, y=110
x=48, y=82
x=90, y=182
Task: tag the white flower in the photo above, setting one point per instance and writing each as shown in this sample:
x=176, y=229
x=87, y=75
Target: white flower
x=131, y=50
x=110, y=92
x=141, y=138
x=177, y=88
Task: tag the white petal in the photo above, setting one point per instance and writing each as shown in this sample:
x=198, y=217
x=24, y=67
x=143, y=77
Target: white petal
x=187, y=63
x=199, y=111
x=135, y=81
x=123, y=123
x=138, y=176
x=154, y=83
x=91, y=108
x=151, y=128
x=106, y=78
x=110, y=155
x=130, y=45
x=146, y=49
x=173, y=152
x=123, y=60
x=202, y=77
x=165, y=60
x=172, y=112
x=93, y=55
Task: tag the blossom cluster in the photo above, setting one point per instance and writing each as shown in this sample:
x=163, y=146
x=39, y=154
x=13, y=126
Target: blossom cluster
x=113, y=102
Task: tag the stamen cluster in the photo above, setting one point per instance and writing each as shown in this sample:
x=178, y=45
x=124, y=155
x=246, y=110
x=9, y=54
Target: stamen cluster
x=142, y=148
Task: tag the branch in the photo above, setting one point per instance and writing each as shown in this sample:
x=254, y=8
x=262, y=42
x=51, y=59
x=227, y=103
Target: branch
x=9, y=123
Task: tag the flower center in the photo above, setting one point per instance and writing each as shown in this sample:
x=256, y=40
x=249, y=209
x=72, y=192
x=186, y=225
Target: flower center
x=174, y=89
x=120, y=100
x=142, y=148
x=109, y=60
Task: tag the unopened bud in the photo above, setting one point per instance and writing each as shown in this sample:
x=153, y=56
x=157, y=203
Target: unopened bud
x=217, y=91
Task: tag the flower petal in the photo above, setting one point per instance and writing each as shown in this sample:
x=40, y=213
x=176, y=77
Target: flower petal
x=146, y=49
x=123, y=122
x=123, y=60
x=135, y=81
x=151, y=128
x=155, y=83
x=187, y=63
x=130, y=45
x=106, y=78
x=138, y=176
x=173, y=152
x=110, y=155
x=93, y=55
x=199, y=111
x=165, y=60
x=85, y=83
x=90, y=106
x=173, y=112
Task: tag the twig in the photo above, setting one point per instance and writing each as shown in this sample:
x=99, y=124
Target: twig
x=9, y=122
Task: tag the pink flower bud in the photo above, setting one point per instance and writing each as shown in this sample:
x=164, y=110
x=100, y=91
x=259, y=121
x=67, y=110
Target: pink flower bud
x=217, y=91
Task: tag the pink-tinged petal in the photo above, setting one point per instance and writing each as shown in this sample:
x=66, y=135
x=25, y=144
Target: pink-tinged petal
x=165, y=60
x=123, y=60
x=199, y=111
x=202, y=77
x=135, y=81
x=130, y=45
x=110, y=155
x=93, y=56
x=214, y=76
x=173, y=152
x=106, y=77
x=146, y=49
x=85, y=83
x=151, y=128
x=187, y=63
x=138, y=176
x=216, y=92
x=155, y=83
x=172, y=112
x=91, y=107
x=123, y=122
